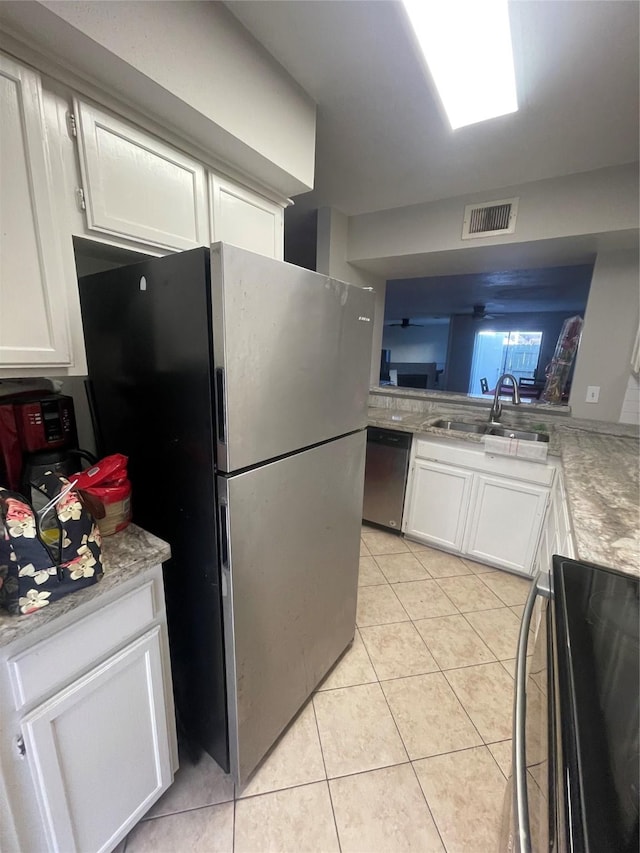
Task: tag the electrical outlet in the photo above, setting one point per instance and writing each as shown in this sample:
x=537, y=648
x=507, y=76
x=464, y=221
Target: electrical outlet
x=593, y=393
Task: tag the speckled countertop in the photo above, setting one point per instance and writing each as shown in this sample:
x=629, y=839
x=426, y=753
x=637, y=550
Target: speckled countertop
x=600, y=464
x=124, y=554
x=603, y=489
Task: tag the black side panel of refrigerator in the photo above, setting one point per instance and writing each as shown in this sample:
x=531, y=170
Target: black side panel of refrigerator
x=147, y=331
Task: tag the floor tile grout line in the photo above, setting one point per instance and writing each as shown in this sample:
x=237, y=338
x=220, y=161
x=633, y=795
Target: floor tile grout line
x=315, y=717
x=482, y=745
x=366, y=650
x=475, y=728
x=497, y=594
x=146, y=819
x=424, y=796
x=497, y=598
x=333, y=812
x=473, y=628
x=395, y=723
x=463, y=705
x=400, y=676
x=477, y=633
x=464, y=666
x=495, y=759
x=402, y=554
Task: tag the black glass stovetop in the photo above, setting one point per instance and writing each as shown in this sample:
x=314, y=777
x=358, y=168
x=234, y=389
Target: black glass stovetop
x=597, y=618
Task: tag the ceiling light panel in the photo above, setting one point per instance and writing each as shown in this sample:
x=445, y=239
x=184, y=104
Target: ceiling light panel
x=467, y=46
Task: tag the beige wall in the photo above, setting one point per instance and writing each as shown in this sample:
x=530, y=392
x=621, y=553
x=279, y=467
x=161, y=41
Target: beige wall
x=331, y=259
x=610, y=326
x=598, y=202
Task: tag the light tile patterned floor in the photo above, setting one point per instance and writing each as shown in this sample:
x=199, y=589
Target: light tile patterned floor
x=405, y=745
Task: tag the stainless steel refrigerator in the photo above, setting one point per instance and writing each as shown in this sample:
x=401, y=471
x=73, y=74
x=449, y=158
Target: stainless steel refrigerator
x=237, y=386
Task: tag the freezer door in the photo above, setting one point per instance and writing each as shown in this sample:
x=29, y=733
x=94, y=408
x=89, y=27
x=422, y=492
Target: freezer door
x=290, y=534
x=292, y=351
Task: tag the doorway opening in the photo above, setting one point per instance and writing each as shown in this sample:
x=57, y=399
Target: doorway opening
x=495, y=353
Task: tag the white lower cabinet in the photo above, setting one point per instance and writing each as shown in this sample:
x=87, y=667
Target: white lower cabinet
x=488, y=507
x=557, y=534
x=87, y=725
x=504, y=522
x=99, y=750
x=438, y=503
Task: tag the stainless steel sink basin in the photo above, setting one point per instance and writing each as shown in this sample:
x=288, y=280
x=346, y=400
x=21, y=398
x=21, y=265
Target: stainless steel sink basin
x=489, y=429
x=460, y=426
x=509, y=432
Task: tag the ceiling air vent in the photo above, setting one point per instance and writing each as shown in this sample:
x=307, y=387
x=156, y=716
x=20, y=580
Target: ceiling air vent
x=490, y=218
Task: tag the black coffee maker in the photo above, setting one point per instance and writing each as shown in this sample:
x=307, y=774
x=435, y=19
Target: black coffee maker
x=63, y=462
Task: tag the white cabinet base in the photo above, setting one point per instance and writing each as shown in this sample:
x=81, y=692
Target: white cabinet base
x=438, y=503
x=99, y=750
x=487, y=507
x=87, y=726
x=504, y=522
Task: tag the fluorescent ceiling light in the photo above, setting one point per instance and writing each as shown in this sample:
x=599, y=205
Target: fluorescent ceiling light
x=467, y=45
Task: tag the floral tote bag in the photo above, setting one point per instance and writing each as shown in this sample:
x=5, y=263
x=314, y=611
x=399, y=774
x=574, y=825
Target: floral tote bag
x=37, y=569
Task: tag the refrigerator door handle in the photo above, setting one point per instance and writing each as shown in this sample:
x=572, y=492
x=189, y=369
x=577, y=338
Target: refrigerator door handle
x=223, y=517
x=220, y=407
x=520, y=798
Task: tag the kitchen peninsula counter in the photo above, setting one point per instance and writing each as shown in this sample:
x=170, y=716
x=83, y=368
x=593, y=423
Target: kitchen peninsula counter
x=124, y=555
x=599, y=463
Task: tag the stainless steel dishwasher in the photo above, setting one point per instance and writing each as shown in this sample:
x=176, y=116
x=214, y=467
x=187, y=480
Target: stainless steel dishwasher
x=385, y=477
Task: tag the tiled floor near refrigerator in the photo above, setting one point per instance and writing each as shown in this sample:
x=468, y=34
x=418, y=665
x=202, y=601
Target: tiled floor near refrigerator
x=405, y=746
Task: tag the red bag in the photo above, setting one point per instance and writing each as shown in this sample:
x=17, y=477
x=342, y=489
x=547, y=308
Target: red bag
x=107, y=490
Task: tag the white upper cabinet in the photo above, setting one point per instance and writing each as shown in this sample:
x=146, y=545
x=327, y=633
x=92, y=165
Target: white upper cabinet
x=137, y=187
x=33, y=316
x=245, y=219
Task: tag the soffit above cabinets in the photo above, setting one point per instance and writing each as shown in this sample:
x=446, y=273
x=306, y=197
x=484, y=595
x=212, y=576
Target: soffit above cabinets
x=191, y=67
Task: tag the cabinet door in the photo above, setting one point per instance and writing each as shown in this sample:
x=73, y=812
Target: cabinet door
x=245, y=219
x=99, y=750
x=439, y=497
x=505, y=517
x=33, y=319
x=137, y=187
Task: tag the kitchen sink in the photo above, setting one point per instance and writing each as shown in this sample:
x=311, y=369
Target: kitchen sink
x=460, y=426
x=509, y=432
x=489, y=429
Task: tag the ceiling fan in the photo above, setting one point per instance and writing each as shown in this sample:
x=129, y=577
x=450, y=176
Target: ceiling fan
x=479, y=313
x=405, y=323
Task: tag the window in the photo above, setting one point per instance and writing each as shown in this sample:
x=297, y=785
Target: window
x=495, y=353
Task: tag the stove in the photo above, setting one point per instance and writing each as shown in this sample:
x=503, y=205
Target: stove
x=575, y=786
x=596, y=620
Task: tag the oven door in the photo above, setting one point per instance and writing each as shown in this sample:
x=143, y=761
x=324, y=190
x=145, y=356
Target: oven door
x=529, y=813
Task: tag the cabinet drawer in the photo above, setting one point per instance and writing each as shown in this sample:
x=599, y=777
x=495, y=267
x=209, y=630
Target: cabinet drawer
x=56, y=660
x=473, y=456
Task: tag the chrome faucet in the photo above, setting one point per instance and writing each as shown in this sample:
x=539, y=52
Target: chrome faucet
x=496, y=409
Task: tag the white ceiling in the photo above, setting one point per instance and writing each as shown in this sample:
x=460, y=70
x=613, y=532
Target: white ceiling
x=382, y=141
